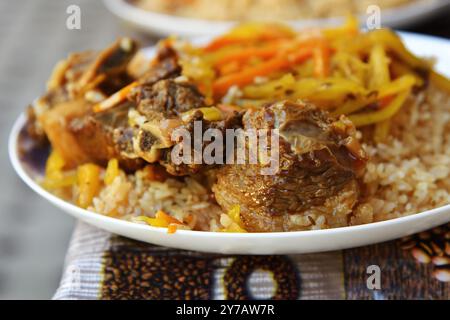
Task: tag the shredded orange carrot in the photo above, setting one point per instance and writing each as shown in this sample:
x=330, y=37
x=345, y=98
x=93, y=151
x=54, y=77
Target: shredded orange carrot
x=164, y=216
x=115, y=99
x=247, y=53
x=228, y=68
x=246, y=76
x=172, y=228
x=223, y=41
x=322, y=60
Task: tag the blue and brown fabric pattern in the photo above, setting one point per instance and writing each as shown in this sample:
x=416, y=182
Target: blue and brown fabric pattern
x=103, y=266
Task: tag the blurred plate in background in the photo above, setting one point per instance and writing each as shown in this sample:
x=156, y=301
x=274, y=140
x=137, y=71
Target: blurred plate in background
x=164, y=24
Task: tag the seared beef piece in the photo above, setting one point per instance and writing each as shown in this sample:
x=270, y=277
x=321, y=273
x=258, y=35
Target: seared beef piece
x=162, y=108
x=74, y=84
x=105, y=71
x=105, y=135
x=55, y=123
x=111, y=64
x=167, y=97
x=231, y=121
x=164, y=66
x=319, y=162
x=65, y=111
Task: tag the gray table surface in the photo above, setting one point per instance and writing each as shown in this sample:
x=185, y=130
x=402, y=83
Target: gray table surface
x=33, y=36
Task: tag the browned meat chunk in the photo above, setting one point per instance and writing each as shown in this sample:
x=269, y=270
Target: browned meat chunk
x=55, y=123
x=163, y=107
x=167, y=97
x=164, y=66
x=106, y=135
x=75, y=85
x=64, y=114
x=231, y=121
x=319, y=162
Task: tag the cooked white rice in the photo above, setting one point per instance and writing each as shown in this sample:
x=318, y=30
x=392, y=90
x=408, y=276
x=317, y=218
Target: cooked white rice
x=410, y=173
x=130, y=196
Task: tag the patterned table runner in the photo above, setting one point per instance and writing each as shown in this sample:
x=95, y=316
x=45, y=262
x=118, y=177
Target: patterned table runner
x=100, y=265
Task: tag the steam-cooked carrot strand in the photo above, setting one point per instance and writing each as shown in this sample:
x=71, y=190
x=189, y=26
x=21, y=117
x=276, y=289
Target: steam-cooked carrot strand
x=246, y=76
x=228, y=68
x=164, y=216
x=223, y=41
x=172, y=228
x=366, y=118
x=245, y=54
x=322, y=60
x=114, y=99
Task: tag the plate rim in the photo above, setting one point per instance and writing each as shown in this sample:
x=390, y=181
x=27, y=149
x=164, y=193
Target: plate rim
x=298, y=235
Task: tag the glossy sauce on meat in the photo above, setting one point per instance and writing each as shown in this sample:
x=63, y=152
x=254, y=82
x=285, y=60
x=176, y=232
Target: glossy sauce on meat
x=315, y=166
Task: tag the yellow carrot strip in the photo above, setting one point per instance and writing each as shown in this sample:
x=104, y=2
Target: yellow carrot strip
x=366, y=118
x=355, y=104
x=234, y=228
x=322, y=60
x=392, y=42
x=379, y=67
x=55, y=177
x=115, y=99
x=88, y=179
x=209, y=114
x=380, y=76
x=403, y=83
x=400, y=69
x=333, y=90
x=400, y=84
x=271, y=88
x=112, y=171
x=235, y=214
x=381, y=130
x=246, y=76
x=66, y=180
x=54, y=165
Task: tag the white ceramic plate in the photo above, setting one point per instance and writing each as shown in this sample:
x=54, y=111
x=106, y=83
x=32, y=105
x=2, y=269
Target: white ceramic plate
x=164, y=24
x=248, y=243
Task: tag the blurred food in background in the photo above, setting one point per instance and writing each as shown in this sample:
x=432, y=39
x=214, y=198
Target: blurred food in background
x=241, y=10
x=190, y=18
